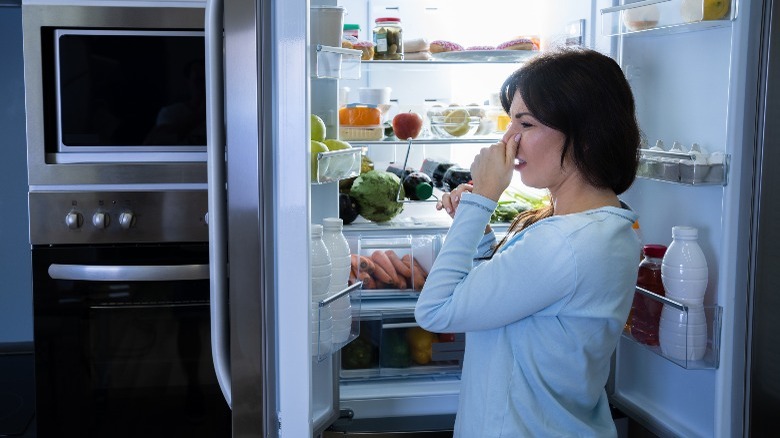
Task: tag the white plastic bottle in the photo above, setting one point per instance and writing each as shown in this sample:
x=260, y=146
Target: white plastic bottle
x=683, y=335
x=684, y=268
x=338, y=247
x=320, y=277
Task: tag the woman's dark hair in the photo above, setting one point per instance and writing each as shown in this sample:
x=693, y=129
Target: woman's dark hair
x=583, y=94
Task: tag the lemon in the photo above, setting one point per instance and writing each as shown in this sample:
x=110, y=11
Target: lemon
x=698, y=10
x=457, y=123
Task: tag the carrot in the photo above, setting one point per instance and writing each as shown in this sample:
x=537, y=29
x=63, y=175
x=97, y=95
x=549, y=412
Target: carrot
x=419, y=267
x=363, y=276
x=366, y=264
x=354, y=260
x=380, y=260
x=418, y=279
x=380, y=275
x=400, y=267
x=369, y=283
x=352, y=276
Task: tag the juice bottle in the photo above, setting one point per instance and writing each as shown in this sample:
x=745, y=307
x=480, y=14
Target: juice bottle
x=645, y=311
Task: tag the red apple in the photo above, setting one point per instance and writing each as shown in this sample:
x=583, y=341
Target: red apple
x=407, y=125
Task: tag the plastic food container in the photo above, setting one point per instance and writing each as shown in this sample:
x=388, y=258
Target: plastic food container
x=444, y=127
x=366, y=133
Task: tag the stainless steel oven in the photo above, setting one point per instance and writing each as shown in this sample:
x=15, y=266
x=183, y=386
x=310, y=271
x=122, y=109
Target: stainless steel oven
x=118, y=220
x=121, y=316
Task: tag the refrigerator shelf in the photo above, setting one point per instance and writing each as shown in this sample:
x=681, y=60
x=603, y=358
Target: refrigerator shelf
x=660, y=17
x=681, y=168
x=430, y=140
x=337, y=63
x=392, y=346
x=684, y=355
x=336, y=165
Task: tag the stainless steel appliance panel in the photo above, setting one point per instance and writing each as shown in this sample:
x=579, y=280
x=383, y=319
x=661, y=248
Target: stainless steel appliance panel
x=100, y=217
x=43, y=168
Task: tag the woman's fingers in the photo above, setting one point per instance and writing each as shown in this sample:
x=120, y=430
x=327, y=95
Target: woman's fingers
x=449, y=201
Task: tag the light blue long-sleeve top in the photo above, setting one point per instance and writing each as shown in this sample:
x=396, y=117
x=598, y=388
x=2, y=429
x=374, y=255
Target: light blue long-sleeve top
x=542, y=319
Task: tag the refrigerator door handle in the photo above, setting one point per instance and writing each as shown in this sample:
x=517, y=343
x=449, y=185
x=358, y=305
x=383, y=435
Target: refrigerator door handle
x=217, y=203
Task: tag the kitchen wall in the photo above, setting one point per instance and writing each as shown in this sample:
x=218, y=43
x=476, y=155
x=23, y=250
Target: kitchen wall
x=15, y=264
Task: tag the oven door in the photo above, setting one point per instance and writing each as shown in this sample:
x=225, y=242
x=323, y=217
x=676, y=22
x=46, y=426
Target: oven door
x=122, y=342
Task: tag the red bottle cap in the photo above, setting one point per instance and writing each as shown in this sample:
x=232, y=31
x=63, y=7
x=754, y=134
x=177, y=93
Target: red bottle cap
x=656, y=251
x=384, y=19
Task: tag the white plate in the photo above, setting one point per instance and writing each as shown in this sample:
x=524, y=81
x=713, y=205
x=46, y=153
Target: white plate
x=485, y=55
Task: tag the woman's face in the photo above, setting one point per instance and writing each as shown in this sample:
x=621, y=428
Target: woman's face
x=538, y=158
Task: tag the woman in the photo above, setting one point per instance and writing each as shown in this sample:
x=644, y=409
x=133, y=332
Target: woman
x=544, y=312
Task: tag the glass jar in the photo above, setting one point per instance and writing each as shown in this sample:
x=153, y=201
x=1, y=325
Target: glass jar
x=388, y=39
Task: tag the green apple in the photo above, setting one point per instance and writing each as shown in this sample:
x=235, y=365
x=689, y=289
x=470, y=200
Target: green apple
x=317, y=128
x=316, y=148
x=339, y=165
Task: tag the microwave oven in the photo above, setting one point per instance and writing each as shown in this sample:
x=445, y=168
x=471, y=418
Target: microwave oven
x=129, y=91
x=115, y=94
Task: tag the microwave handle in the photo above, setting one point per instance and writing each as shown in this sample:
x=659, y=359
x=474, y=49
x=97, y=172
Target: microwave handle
x=128, y=273
x=217, y=198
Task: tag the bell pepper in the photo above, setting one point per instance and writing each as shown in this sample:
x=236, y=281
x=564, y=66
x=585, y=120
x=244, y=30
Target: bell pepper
x=357, y=354
x=421, y=344
x=394, y=351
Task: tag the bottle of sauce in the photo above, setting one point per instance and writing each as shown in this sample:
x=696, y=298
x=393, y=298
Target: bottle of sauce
x=455, y=176
x=418, y=186
x=645, y=311
x=436, y=168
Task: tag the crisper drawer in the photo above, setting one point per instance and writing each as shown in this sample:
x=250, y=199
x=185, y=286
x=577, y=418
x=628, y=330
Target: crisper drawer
x=393, y=266
x=392, y=345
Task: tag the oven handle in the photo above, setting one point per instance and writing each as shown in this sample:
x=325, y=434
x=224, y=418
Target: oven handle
x=217, y=197
x=128, y=273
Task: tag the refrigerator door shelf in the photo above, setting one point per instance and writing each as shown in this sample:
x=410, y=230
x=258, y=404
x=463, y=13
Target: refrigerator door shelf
x=653, y=17
x=336, y=165
x=712, y=314
x=330, y=331
x=337, y=63
x=683, y=168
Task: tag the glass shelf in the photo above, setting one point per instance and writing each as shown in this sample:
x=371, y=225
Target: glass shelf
x=423, y=140
x=658, y=17
x=681, y=168
x=687, y=355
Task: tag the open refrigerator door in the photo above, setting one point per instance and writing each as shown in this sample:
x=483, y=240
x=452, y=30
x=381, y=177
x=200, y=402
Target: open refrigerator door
x=692, y=67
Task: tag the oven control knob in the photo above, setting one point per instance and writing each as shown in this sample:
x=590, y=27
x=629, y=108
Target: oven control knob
x=126, y=219
x=100, y=219
x=73, y=220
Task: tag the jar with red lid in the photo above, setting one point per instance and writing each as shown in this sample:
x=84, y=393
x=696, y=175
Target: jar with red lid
x=388, y=39
x=645, y=311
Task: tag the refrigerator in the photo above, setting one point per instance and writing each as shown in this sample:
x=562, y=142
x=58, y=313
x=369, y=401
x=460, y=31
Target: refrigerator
x=696, y=80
